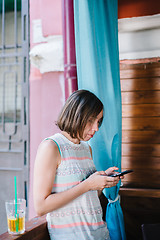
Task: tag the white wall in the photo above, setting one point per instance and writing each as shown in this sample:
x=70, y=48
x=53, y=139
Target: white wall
x=139, y=37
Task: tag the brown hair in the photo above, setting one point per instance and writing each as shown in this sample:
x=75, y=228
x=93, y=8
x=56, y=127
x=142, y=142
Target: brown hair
x=79, y=107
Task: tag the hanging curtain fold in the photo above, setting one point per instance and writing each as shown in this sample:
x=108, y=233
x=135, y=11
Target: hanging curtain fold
x=97, y=57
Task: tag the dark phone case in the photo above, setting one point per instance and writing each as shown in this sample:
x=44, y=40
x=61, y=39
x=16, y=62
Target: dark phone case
x=121, y=173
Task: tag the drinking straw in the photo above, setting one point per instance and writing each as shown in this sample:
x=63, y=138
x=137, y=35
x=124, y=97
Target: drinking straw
x=16, y=215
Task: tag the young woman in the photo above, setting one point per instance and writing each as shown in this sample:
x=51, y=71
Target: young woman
x=66, y=183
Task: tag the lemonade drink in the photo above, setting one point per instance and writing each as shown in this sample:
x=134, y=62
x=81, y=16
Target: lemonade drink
x=16, y=216
x=16, y=224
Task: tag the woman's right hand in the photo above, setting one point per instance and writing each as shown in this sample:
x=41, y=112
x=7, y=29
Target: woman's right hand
x=99, y=181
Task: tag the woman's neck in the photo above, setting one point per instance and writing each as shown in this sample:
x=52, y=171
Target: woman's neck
x=74, y=140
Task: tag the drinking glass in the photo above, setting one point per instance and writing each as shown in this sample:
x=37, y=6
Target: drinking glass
x=16, y=216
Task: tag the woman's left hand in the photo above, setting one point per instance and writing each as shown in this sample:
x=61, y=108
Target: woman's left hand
x=112, y=170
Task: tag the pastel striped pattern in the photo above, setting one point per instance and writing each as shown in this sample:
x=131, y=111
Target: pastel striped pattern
x=77, y=224
x=76, y=158
x=82, y=216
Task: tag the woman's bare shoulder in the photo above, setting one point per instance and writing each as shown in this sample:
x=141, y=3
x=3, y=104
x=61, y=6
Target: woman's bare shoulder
x=48, y=150
x=48, y=144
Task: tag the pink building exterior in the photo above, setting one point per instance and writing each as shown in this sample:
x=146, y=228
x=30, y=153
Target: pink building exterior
x=46, y=90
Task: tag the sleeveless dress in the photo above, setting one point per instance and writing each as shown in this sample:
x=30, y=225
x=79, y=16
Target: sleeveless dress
x=81, y=219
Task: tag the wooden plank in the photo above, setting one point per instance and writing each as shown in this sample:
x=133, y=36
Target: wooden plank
x=141, y=123
x=132, y=149
x=139, y=73
x=140, y=84
x=132, y=62
x=140, y=192
x=142, y=65
x=138, y=162
x=142, y=72
x=142, y=179
x=140, y=136
x=142, y=204
x=141, y=110
x=140, y=97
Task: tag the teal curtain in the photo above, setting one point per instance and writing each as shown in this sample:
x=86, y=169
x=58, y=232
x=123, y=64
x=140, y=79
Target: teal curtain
x=97, y=57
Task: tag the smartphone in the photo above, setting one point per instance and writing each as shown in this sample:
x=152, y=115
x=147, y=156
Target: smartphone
x=121, y=173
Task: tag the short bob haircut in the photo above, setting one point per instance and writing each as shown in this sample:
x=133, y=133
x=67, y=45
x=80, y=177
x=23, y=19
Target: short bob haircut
x=79, y=107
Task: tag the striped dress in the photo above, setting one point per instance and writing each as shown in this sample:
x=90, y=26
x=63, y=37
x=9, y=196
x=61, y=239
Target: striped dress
x=81, y=219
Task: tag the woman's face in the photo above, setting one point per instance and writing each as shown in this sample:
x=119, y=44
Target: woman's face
x=92, y=126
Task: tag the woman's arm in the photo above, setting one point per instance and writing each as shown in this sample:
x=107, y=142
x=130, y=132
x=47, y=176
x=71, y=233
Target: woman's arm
x=47, y=160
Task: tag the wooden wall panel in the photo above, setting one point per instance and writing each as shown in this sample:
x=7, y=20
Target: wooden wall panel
x=146, y=70
x=141, y=97
x=151, y=136
x=140, y=84
x=141, y=123
x=141, y=163
x=131, y=149
x=141, y=110
x=141, y=179
x=140, y=87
